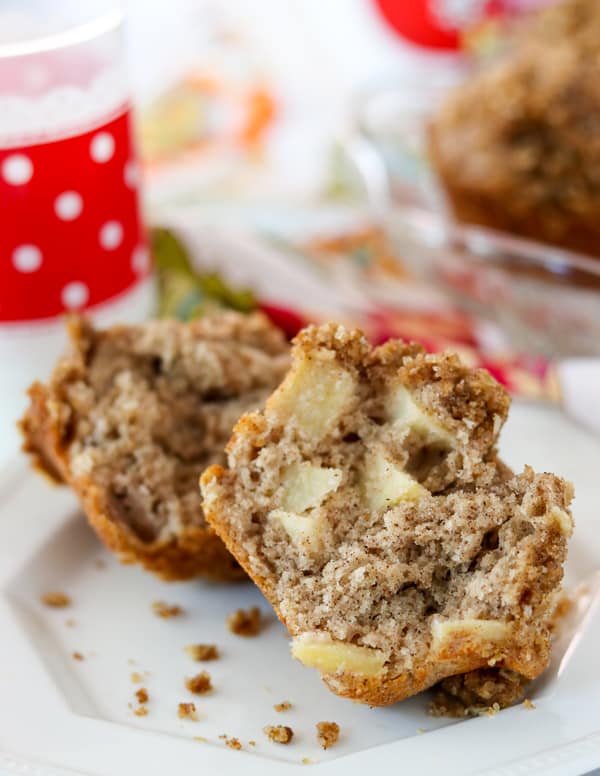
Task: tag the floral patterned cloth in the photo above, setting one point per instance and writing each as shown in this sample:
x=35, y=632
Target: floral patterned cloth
x=190, y=286
x=237, y=127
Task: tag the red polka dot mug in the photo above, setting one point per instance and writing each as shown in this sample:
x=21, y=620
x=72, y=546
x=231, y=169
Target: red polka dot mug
x=71, y=237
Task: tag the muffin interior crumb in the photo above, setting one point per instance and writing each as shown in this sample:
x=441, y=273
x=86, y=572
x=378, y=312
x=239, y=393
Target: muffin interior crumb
x=157, y=404
x=202, y=652
x=245, y=622
x=142, y=695
x=327, y=733
x=279, y=734
x=200, y=684
x=56, y=600
x=165, y=610
x=187, y=711
x=132, y=415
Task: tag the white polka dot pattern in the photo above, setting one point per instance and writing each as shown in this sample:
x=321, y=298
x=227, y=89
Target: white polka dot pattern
x=102, y=147
x=17, y=169
x=131, y=174
x=140, y=260
x=74, y=295
x=111, y=235
x=27, y=258
x=71, y=237
x=68, y=205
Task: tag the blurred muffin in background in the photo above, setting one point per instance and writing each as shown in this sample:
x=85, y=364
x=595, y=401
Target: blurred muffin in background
x=517, y=147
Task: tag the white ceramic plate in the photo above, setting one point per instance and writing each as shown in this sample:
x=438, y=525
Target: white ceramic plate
x=61, y=716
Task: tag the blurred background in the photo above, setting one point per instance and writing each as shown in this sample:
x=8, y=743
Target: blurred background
x=417, y=169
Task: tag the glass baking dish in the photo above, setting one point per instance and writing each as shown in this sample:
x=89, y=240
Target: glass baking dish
x=545, y=299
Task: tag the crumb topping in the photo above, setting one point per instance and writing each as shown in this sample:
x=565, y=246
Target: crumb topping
x=283, y=706
x=77, y=656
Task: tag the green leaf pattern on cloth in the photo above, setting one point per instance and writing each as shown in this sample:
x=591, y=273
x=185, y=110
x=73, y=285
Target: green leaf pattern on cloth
x=186, y=294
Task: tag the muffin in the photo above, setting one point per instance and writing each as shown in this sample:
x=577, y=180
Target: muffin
x=133, y=414
x=517, y=147
x=368, y=503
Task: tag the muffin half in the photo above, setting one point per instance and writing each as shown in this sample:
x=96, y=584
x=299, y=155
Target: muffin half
x=132, y=415
x=368, y=504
